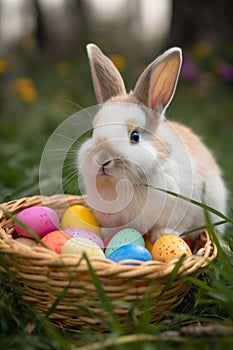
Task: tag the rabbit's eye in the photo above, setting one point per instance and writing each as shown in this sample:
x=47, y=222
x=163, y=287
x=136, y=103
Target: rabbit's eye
x=134, y=137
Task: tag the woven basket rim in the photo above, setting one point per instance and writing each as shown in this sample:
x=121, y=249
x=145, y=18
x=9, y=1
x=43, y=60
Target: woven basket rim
x=104, y=266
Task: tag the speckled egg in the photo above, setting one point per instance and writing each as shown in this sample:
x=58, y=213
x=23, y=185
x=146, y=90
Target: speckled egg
x=55, y=240
x=80, y=216
x=168, y=247
x=122, y=238
x=80, y=245
x=130, y=251
x=82, y=232
x=40, y=219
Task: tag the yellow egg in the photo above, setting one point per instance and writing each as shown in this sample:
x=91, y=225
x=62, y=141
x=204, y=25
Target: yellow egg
x=168, y=247
x=78, y=216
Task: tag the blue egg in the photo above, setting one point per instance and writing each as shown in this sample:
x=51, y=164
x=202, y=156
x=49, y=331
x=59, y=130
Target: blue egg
x=122, y=238
x=130, y=251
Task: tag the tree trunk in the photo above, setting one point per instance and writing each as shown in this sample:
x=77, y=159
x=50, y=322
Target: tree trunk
x=210, y=20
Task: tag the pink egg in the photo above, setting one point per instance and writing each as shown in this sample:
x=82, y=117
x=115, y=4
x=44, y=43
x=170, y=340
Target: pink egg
x=41, y=220
x=82, y=232
x=107, y=240
x=55, y=240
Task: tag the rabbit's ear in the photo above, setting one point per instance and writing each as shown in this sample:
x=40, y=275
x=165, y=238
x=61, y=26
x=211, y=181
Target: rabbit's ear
x=156, y=86
x=106, y=78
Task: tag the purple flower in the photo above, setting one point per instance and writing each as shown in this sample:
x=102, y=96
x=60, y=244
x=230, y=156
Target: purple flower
x=225, y=69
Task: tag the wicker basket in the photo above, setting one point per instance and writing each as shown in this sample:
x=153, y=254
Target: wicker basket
x=43, y=275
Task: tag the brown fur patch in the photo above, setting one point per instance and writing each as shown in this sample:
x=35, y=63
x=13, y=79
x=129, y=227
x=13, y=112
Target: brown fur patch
x=131, y=124
x=127, y=98
x=160, y=147
x=100, y=140
x=197, y=149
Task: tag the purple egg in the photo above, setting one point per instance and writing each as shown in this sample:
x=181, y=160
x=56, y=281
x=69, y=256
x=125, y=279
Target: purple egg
x=41, y=220
x=82, y=232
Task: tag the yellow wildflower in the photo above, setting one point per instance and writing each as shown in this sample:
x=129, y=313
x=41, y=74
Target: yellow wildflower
x=63, y=68
x=29, y=95
x=25, y=89
x=201, y=50
x=3, y=66
x=21, y=83
x=119, y=62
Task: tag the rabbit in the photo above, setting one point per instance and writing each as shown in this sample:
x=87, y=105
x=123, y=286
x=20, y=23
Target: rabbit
x=134, y=152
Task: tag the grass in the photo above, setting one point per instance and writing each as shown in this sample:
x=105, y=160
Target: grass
x=25, y=129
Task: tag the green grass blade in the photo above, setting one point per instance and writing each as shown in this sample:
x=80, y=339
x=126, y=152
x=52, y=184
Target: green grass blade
x=143, y=322
x=57, y=300
x=172, y=276
x=199, y=204
x=201, y=284
x=203, y=227
x=103, y=297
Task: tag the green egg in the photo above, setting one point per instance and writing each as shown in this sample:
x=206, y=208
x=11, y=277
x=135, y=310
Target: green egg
x=122, y=238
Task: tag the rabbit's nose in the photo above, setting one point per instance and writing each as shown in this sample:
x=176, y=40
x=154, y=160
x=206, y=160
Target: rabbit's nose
x=104, y=159
x=108, y=164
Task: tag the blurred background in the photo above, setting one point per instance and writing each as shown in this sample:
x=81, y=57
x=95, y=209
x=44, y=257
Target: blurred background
x=45, y=76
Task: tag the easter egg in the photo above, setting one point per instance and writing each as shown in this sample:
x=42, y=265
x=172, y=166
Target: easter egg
x=55, y=240
x=168, y=247
x=82, y=232
x=80, y=245
x=41, y=220
x=107, y=240
x=130, y=251
x=148, y=243
x=80, y=216
x=122, y=238
x=26, y=241
x=187, y=240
